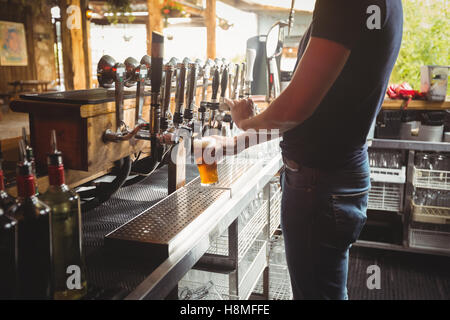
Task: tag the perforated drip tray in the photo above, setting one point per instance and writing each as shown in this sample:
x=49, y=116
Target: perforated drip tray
x=157, y=231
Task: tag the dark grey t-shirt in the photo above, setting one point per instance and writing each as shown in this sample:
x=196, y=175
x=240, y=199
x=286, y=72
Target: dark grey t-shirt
x=335, y=135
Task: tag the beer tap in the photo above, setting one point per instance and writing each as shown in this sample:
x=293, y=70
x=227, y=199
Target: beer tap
x=166, y=92
x=213, y=106
x=234, y=94
x=242, y=84
x=250, y=58
x=160, y=95
x=223, y=87
x=231, y=72
x=156, y=80
x=206, y=74
x=109, y=72
x=147, y=61
x=179, y=94
x=191, y=91
x=137, y=73
x=224, y=116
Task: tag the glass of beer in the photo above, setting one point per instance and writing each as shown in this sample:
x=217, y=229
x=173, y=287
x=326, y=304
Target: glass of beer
x=206, y=160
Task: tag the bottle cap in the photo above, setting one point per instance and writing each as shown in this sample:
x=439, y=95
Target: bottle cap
x=55, y=157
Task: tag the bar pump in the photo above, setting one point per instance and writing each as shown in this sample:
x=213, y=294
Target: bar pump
x=213, y=106
x=242, y=82
x=169, y=70
x=136, y=73
x=234, y=93
x=250, y=58
x=191, y=90
x=109, y=72
x=179, y=94
x=205, y=74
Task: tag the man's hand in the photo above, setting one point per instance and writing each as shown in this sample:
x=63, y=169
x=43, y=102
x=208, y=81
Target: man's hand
x=241, y=110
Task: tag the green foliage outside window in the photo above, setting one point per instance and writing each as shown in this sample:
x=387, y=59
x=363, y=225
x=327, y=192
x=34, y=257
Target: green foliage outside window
x=426, y=39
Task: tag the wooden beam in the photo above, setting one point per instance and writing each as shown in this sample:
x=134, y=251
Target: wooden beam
x=210, y=16
x=155, y=20
x=72, y=44
x=86, y=25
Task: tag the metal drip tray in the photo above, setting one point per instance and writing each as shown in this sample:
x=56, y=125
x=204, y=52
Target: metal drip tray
x=160, y=229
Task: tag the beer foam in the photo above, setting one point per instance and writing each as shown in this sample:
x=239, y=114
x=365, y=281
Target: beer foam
x=205, y=142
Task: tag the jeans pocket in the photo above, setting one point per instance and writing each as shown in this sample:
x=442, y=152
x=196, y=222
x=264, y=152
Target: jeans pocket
x=342, y=219
x=302, y=180
x=350, y=213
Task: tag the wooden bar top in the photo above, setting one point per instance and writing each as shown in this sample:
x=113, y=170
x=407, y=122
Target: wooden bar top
x=85, y=103
x=391, y=104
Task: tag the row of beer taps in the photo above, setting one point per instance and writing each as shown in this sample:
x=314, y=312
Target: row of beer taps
x=183, y=77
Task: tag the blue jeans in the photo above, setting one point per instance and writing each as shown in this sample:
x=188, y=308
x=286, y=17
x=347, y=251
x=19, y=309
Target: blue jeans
x=322, y=214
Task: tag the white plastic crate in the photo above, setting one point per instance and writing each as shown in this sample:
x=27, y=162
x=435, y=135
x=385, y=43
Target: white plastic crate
x=386, y=197
x=428, y=239
x=279, y=283
x=429, y=214
x=388, y=175
x=275, y=212
x=246, y=236
x=431, y=179
x=279, y=280
x=250, y=269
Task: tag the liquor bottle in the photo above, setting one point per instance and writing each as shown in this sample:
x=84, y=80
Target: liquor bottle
x=6, y=201
x=68, y=260
x=8, y=256
x=34, y=240
x=29, y=154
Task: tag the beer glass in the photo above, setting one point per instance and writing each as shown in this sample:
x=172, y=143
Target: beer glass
x=206, y=161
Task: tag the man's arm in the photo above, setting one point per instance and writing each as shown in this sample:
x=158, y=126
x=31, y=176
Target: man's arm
x=318, y=69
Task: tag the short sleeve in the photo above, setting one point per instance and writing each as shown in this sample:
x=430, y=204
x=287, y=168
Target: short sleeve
x=341, y=21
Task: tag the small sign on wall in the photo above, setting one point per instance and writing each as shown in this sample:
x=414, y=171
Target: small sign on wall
x=13, y=46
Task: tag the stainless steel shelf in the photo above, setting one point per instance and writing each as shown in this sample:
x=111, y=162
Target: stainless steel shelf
x=410, y=145
x=396, y=247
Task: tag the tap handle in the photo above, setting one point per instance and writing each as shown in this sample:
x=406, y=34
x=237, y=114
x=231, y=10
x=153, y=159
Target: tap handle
x=192, y=86
x=168, y=74
x=157, y=60
x=250, y=58
x=206, y=74
x=242, y=86
x=179, y=94
x=132, y=69
x=105, y=73
x=235, y=93
x=224, y=82
x=147, y=61
x=215, y=84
